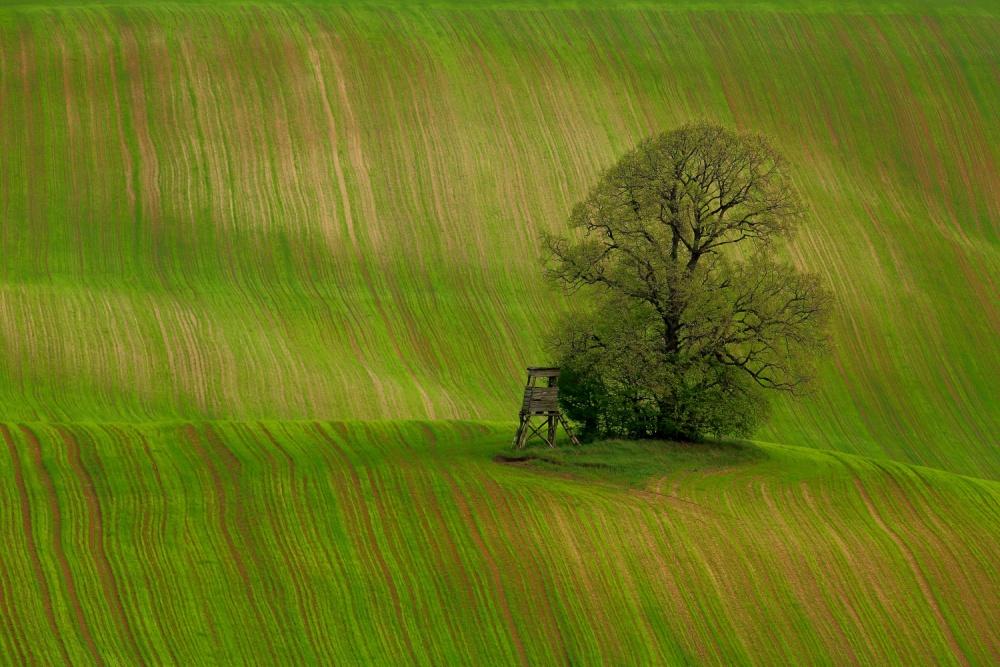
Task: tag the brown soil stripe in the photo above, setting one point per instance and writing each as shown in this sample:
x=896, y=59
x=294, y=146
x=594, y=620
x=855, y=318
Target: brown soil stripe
x=440, y=542
x=925, y=588
x=942, y=541
x=349, y=510
x=29, y=535
x=388, y=532
x=345, y=200
x=303, y=594
x=95, y=539
x=206, y=608
x=433, y=522
x=455, y=563
x=13, y=625
x=221, y=495
x=234, y=468
x=153, y=558
x=583, y=580
x=834, y=577
x=124, y=151
x=334, y=558
x=372, y=543
x=802, y=578
x=505, y=529
x=649, y=528
x=46, y=479
x=36, y=198
x=470, y=522
x=148, y=162
x=73, y=139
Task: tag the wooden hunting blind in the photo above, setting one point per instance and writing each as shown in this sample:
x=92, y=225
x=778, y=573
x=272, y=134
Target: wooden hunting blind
x=541, y=402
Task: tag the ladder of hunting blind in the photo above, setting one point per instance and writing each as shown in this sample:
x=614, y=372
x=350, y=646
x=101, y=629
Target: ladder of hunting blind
x=541, y=402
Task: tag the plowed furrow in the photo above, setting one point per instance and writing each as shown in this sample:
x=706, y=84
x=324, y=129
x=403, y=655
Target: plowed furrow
x=222, y=495
x=494, y=570
x=67, y=576
x=918, y=574
x=29, y=538
x=95, y=541
x=304, y=597
x=372, y=543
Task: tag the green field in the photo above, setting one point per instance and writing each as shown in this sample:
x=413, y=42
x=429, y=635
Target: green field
x=404, y=543
x=311, y=212
x=223, y=225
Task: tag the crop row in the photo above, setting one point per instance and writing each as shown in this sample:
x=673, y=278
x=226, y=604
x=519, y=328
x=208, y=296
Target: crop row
x=318, y=212
x=320, y=542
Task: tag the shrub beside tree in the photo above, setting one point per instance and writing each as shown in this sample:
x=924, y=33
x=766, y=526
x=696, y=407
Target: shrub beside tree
x=685, y=314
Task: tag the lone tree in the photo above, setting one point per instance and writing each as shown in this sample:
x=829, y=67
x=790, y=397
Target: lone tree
x=692, y=316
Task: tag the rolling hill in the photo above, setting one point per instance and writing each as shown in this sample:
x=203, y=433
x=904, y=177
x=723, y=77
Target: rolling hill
x=269, y=282
x=404, y=543
x=243, y=212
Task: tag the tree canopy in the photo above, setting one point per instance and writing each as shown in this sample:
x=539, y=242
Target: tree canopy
x=691, y=312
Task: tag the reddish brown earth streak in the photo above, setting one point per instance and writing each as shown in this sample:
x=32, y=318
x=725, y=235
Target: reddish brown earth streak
x=234, y=468
x=303, y=595
x=470, y=522
x=918, y=574
x=372, y=543
x=161, y=532
x=29, y=535
x=221, y=495
x=95, y=539
x=454, y=557
x=46, y=479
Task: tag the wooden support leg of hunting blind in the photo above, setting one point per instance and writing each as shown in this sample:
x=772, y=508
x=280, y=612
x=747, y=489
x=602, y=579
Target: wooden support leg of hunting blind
x=518, y=444
x=568, y=430
x=527, y=430
x=545, y=430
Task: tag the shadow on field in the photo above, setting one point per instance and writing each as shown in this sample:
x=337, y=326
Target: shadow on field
x=632, y=462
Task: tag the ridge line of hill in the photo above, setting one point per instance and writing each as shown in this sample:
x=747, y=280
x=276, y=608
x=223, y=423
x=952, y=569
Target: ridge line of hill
x=492, y=427
x=922, y=8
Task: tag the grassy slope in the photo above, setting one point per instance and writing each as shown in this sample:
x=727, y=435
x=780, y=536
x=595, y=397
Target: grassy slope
x=293, y=543
x=315, y=212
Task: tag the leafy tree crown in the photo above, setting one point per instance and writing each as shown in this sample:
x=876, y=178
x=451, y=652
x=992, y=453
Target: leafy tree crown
x=690, y=304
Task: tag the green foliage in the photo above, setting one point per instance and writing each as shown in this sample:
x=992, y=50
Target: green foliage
x=626, y=387
x=683, y=336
